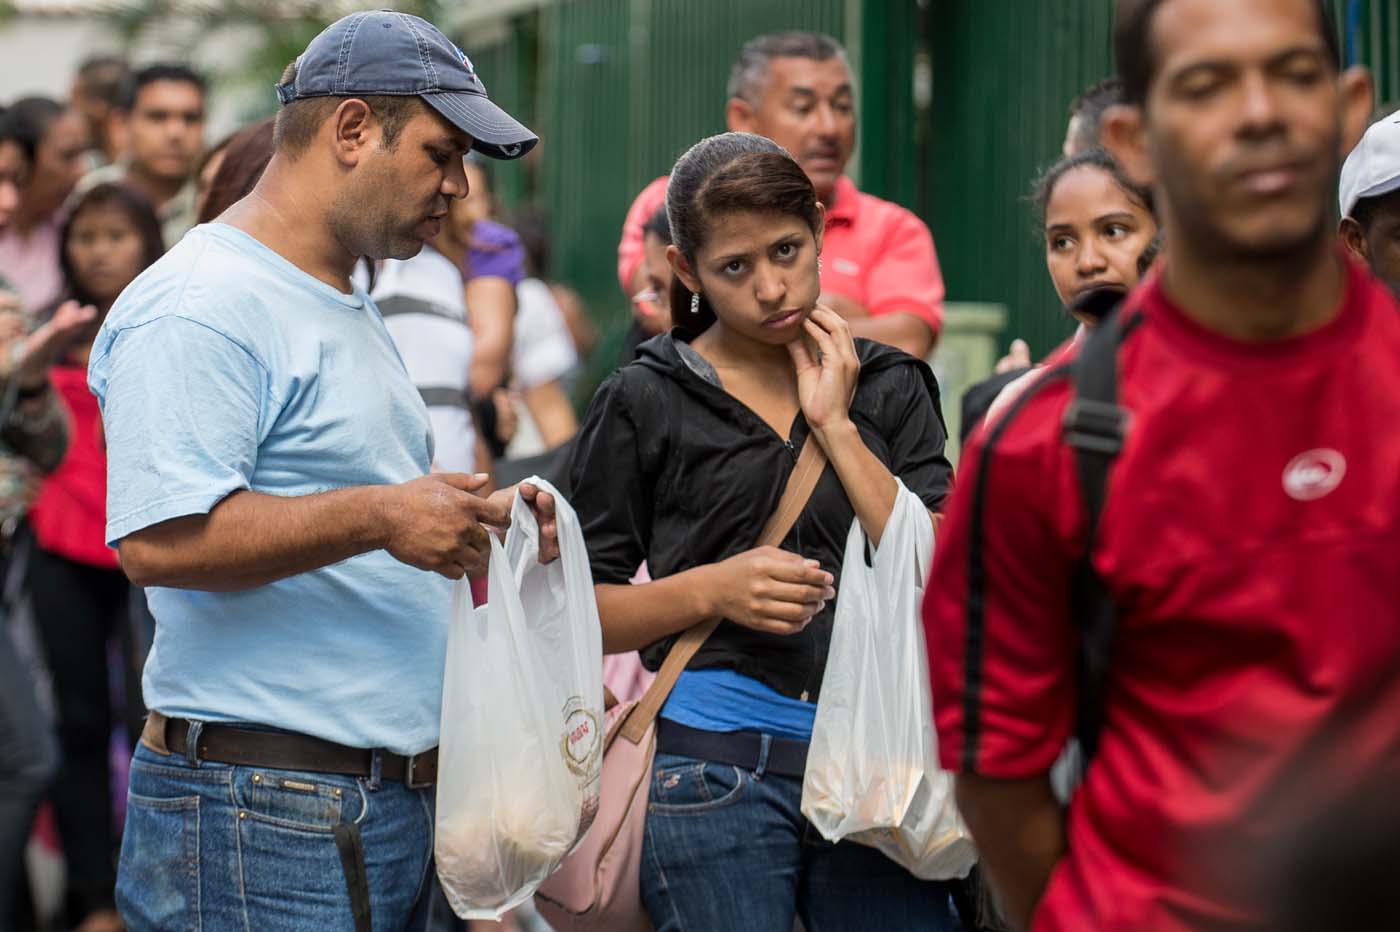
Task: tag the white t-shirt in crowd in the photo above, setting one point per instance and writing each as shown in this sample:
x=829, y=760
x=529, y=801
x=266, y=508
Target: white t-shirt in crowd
x=424, y=306
x=542, y=350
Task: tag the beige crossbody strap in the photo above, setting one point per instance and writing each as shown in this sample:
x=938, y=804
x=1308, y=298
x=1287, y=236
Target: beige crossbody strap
x=811, y=462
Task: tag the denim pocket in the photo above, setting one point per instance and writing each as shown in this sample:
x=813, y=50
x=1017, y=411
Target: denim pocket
x=303, y=802
x=682, y=784
x=158, y=879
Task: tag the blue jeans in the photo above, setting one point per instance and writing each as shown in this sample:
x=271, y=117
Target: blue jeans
x=729, y=849
x=214, y=847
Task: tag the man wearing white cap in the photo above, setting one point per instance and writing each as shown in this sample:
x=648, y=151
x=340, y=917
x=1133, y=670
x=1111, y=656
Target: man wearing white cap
x=1370, y=199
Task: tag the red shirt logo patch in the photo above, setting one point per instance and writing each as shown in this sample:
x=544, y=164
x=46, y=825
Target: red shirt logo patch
x=1313, y=474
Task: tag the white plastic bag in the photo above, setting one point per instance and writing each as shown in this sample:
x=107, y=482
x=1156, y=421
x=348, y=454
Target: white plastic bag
x=872, y=768
x=520, y=755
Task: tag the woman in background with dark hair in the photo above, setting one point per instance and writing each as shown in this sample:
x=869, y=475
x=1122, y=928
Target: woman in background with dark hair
x=1100, y=236
x=237, y=168
x=79, y=594
x=232, y=168
x=682, y=458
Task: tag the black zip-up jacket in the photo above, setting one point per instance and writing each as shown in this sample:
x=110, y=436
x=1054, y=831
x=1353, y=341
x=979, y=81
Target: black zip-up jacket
x=672, y=469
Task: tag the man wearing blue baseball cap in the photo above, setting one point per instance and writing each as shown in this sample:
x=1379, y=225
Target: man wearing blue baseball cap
x=268, y=483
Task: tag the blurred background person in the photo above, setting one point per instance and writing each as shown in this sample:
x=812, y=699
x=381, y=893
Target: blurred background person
x=651, y=309
x=33, y=438
x=163, y=124
x=533, y=228
x=55, y=141
x=232, y=169
x=1370, y=200
x=880, y=269
x=492, y=258
x=101, y=87
x=1085, y=127
x=1097, y=227
x=79, y=594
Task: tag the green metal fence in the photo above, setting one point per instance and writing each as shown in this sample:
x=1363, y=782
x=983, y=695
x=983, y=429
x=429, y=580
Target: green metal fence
x=962, y=103
x=1004, y=72
x=624, y=86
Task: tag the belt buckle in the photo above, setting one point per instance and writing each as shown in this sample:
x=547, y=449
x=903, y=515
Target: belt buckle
x=410, y=774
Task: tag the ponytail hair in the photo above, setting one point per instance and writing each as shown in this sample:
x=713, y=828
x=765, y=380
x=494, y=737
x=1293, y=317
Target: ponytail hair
x=726, y=174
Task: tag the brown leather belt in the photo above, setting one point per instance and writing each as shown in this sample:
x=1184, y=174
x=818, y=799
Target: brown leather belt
x=281, y=750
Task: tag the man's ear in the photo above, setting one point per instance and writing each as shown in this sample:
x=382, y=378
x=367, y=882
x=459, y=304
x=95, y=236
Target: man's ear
x=353, y=130
x=739, y=115
x=1354, y=238
x=1124, y=135
x=682, y=269
x=1358, y=97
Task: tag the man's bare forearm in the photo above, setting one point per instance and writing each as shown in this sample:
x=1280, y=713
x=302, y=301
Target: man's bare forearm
x=251, y=539
x=1020, y=833
x=901, y=330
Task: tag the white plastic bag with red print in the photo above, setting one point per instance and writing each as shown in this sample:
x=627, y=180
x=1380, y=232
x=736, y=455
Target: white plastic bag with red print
x=520, y=756
x=872, y=770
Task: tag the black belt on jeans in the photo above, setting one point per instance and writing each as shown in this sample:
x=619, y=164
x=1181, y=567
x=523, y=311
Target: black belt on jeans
x=787, y=757
x=284, y=750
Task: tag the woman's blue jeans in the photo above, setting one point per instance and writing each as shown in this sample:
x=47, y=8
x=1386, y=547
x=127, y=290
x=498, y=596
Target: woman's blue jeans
x=728, y=848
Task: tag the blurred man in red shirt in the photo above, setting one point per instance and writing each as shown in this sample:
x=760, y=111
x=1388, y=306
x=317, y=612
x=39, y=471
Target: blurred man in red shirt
x=1250, y=534
x=879, y=268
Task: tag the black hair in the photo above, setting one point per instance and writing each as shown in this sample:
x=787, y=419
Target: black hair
x=1368, y=208
x=658, y=225
x=1044, y=186
x=298, y=121
x=1151, y=252
x=726, y=174
x=9, y=132
x=1137, y=63
x=137, y=209
x=246, y=154
x=750, y=69
x=164, y=72
x=107, y=78
x=29, y=120
x=531, y=224
x=1090, y=106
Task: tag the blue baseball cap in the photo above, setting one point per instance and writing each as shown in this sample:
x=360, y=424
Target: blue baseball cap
x=398, y=54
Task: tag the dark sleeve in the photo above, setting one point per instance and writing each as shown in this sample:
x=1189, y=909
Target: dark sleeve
x=37, y=431
x=977, y=400
x=612, y=491
x=916, y=435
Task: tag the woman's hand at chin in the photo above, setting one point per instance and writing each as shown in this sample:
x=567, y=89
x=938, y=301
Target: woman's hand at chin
x=824, y=355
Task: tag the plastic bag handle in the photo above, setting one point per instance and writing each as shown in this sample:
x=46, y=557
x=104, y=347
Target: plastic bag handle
x=811, y=462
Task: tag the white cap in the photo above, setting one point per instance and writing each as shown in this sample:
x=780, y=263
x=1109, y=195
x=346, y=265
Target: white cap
x=1373, y=168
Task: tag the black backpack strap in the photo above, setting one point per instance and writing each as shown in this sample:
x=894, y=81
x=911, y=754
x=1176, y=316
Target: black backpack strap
x=1095, y=427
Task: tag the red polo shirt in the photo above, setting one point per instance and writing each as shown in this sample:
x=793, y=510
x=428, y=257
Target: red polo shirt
x=1251, y=540
x=874, y=252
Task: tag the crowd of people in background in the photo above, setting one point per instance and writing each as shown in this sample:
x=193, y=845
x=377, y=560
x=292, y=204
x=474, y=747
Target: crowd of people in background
x=1194, y=243
x=93, y=190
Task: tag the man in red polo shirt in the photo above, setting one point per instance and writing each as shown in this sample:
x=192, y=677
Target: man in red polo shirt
x=879, y=268
x=1250, y=539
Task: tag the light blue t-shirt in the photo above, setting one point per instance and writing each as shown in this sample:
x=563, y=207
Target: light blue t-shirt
x=224, y=367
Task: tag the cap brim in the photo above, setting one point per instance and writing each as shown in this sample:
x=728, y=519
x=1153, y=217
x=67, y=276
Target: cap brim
x=1379, y=189
x=498, y=135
